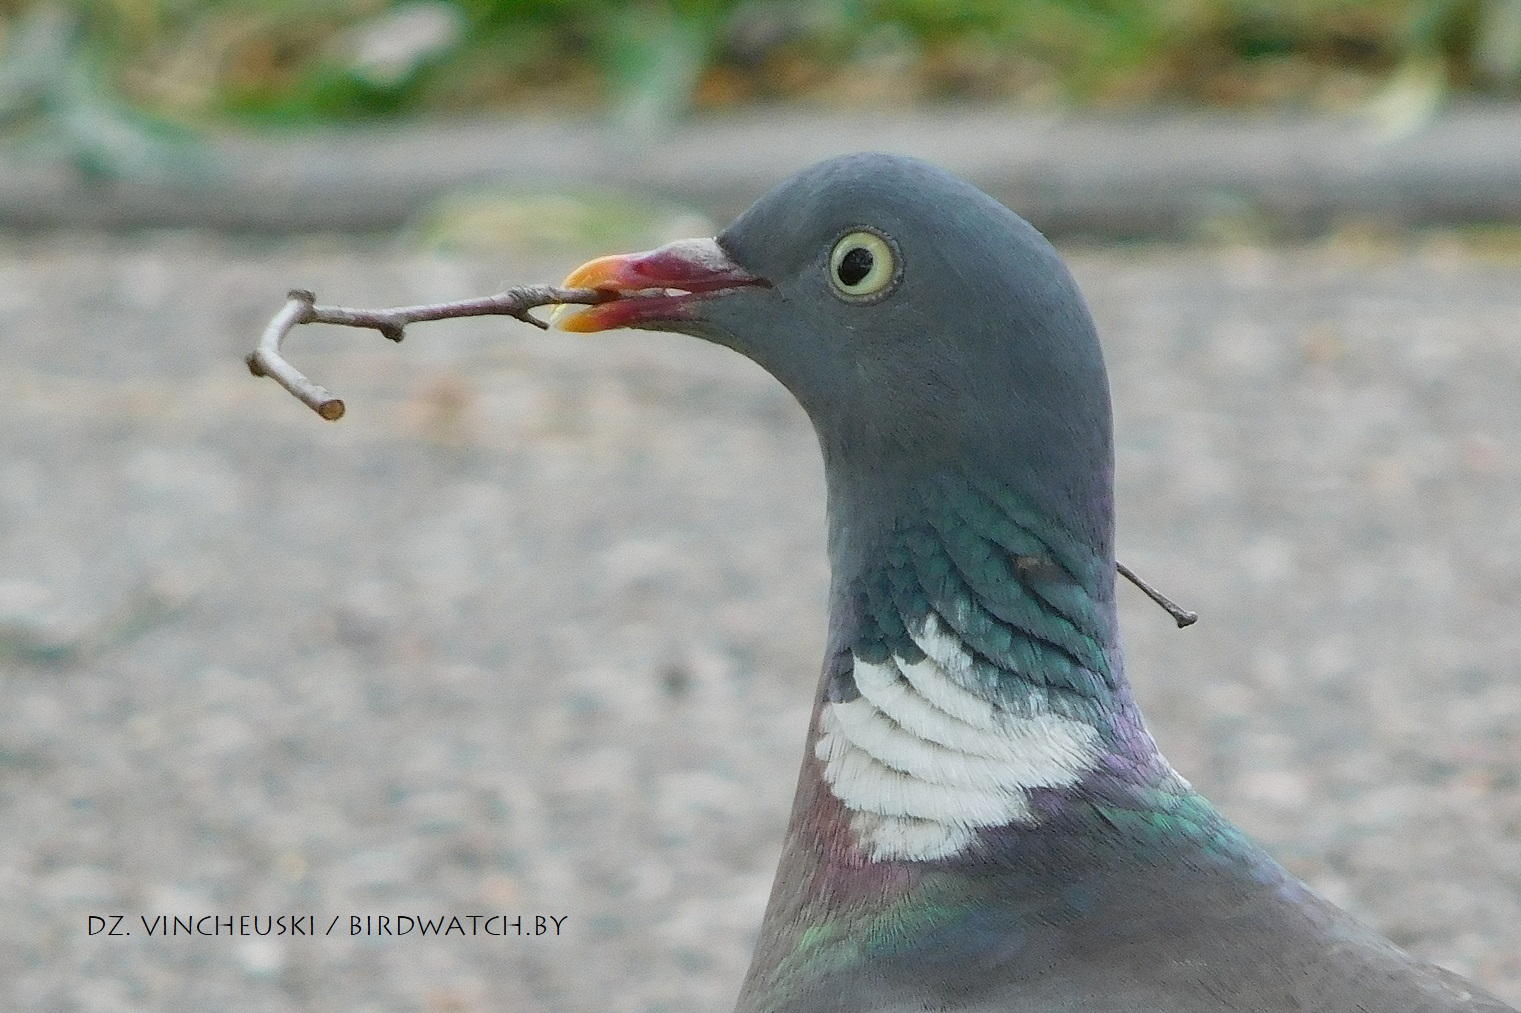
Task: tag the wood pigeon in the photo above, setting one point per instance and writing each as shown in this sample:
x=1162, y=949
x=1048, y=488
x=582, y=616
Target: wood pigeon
x=983, y=822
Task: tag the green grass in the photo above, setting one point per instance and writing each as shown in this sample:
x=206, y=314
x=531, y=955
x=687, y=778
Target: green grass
x=288, y=61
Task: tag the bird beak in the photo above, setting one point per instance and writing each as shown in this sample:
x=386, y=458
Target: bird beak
x=652, y=289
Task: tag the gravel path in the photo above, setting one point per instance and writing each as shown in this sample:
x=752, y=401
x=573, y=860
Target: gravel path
x=533, y=630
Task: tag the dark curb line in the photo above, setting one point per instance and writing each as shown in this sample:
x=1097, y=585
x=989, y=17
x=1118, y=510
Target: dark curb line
x=1156, y=175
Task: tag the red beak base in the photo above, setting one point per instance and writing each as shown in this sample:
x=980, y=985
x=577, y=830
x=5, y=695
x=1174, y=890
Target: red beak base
x=659, y=286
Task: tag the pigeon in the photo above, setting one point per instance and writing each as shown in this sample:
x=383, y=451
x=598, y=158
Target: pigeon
x=983, y=823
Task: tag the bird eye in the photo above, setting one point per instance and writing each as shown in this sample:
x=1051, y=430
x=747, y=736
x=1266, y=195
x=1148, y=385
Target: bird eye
x=862, y=265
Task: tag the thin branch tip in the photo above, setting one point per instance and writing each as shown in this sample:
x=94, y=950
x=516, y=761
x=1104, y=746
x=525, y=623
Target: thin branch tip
x=1180, y=615
x=301, y=308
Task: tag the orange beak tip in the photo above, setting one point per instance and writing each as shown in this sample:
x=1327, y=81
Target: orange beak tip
x=570, y=317
x=650, y=289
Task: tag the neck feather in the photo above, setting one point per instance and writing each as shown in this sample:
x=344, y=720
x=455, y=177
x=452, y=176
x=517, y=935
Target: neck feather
x=976, y=753
x=974, y=669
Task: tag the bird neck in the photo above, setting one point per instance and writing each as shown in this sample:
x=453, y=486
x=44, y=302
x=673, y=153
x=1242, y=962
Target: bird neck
x=976, y=765
x=974, y=676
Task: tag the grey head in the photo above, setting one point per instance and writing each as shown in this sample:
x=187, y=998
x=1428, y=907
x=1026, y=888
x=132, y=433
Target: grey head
x=922, y=325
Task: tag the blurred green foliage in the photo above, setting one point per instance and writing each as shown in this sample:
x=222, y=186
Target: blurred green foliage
x=284, y=61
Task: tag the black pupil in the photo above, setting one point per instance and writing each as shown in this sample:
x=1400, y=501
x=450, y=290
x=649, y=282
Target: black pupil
x=854, y=266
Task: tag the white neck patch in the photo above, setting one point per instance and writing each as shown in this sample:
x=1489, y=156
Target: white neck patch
x=922, y=762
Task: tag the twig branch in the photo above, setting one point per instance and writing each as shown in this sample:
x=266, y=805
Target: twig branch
x=1182, y=616
x=301, y=308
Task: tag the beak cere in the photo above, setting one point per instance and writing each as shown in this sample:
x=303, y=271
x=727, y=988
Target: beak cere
x=652, y=288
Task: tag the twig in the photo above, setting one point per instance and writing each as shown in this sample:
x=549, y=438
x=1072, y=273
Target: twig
x=1182, y=616
x=301, y=308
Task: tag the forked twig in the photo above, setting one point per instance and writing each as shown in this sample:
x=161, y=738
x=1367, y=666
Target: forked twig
x=1182, y=616
x=301, y=308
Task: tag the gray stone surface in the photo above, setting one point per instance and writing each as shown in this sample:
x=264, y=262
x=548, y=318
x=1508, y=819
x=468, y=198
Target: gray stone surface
x=1160, y=173
x=533, y=630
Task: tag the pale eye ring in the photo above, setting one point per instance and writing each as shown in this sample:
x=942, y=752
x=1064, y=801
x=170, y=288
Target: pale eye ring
x=862, y=266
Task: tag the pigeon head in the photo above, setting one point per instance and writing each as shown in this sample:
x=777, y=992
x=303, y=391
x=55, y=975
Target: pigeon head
x=923, y=326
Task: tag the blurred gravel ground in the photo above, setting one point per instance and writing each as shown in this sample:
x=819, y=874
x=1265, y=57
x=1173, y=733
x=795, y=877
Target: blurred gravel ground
x=534, y=630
